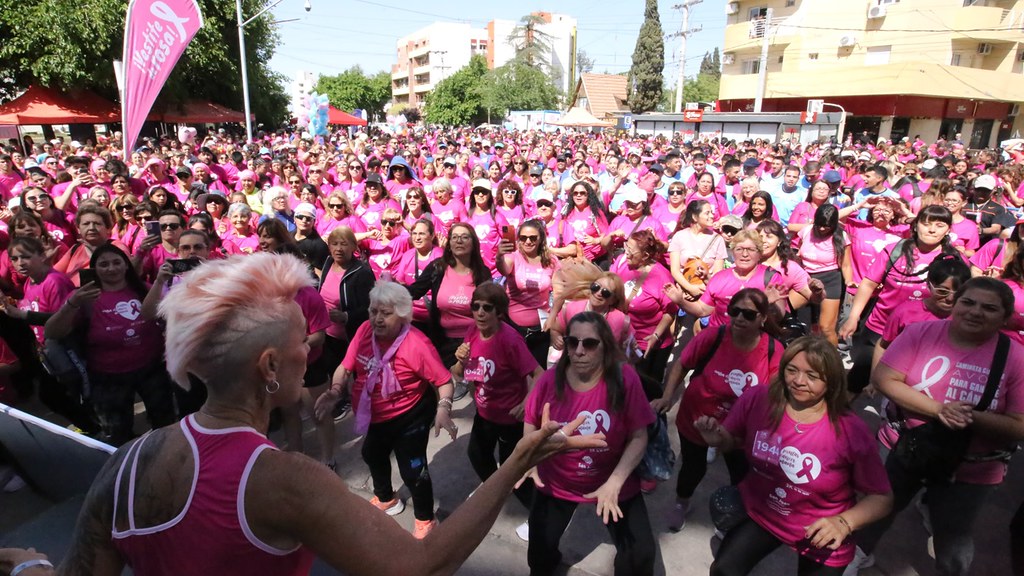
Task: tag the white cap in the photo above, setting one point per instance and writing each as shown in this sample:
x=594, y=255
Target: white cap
x=633, y=193
x=451, y=161
x=929, y=164
x=482, y=183
x=306, y=208
x=76, y=144
x=14, y=203
x=985, y=181
x=847, y=154
x=543, y=195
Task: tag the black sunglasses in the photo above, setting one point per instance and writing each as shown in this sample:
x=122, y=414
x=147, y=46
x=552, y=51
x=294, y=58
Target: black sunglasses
x=528, y=238
x=390, y=223
x=166, y=227
x=747, y=314
x=335, y=205
x=303, y=217
x=588, y=343
x=676, y=191
x=544, y=204
x=476, y=306
x=605, y=293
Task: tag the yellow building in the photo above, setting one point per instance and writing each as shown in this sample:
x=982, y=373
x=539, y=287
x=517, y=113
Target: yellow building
x=898, y=67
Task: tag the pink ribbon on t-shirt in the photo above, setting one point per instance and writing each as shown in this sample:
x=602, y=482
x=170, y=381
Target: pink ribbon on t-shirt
x=382, y=372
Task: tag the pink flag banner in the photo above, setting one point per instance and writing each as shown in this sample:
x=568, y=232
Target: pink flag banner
x=156, y=33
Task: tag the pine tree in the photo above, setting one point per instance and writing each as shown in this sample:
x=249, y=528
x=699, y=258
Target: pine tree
x=645, y=76
x=716, y=64
x=707, y=65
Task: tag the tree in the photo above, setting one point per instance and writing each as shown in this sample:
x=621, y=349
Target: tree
x=353, y=89
x=584, y=63
x=645, y=75
x=703, y=88
x=711, y=65
x=532, y=45
x=516, y=86
x=457, y=100
x=67, y=44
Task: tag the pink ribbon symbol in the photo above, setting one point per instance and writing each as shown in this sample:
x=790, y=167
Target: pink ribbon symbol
x=165, y=13
x=805, y=472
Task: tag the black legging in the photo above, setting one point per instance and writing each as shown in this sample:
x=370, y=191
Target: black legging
x=406, y=435
x=693, y=459
x=634, y=542
x=485, y=437
x=651, y=369
x=747, y=544
x=863, y=349
x=1017, y=542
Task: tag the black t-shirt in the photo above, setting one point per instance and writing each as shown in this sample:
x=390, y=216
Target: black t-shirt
x=314, y=249
x=986, y=215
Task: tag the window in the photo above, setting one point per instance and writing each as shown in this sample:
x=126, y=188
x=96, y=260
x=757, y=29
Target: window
x=751, y=66
x=757, y=13
x=955, y=60
x=781, y=58
x=790, y=3
x=812, y=56
x=877, y=55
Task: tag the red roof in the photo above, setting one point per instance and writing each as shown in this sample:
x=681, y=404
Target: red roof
x=40, y=105
x=197, y=112
x=335, y=116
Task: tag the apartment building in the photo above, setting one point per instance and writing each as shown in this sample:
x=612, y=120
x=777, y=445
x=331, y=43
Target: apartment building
x=898, y=67
x=437, y=51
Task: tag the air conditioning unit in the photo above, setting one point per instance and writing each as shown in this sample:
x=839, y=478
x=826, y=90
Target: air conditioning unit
x=728, y=59
x=876, y=12
x=984, y=48
x=847, y=41
x=732, y=8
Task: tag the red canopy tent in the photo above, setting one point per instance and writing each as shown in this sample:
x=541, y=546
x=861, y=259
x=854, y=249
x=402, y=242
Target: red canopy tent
x=337, y=117
x=199, y=112
x=40, y=105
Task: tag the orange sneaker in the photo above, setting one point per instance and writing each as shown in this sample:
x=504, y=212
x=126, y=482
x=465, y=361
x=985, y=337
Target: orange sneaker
x=392, y=507
x=422, y=528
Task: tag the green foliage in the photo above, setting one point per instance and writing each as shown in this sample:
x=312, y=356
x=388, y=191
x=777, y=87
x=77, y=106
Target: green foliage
x=67, y=44
x=517, y=86
x=703, y=88
x=584, y=63
x=532, y=45
x=354, y=89
x=457, y=100
x=645, y=75
x=711, y=65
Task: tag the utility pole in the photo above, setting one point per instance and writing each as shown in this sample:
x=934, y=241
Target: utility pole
x=683, y=34
x=762, y=69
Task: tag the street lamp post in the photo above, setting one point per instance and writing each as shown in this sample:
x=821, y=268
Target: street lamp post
x=241, y=51
x=842, y=121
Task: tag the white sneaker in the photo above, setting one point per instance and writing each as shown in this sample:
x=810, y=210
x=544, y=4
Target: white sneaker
x=712, y=455
x=523, y=531
x=860, y=560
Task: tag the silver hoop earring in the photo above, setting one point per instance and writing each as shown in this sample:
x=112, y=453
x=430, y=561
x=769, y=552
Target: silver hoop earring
x=272, y=386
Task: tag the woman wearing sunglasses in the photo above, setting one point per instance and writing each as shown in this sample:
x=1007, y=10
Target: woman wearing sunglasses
x=417, y=207
x=669, y=213
x=584, y=222
x=354, y=186
x=488, y=225
x=294, y=184
x=635, y=216
x=726, y=362
x=508, y=202
x=122, y=208
x=58, y=223
x=592, y=378
x=94, y=223
x=605, y=295
x=388, y=243
x=496, y=360
x=705, y=190
x=528, y=267
x=340, y=213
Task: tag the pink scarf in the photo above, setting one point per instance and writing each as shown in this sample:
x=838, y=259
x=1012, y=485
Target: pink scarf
x=380, y=371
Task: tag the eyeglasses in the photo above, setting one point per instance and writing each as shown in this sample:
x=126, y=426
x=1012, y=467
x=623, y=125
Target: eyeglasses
x=355, y=167
x=632, y=205
x=580, y=193
x=605, y=293
x=390, y=223
x=295, y=182
x=588, y=343
x=477, y=306
x=676, y=191
x=304, y=217
x=940, y=292
x=39, y=198
x=519, y=163
x=335, y=206
x=166, y=227
x=747, y=314
x=529, y=238
x=126, y=208
x=461, y=238
x=315, y=171
x=744, y=249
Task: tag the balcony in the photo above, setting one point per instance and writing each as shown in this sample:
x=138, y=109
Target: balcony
x=400, y=91
x=750, y=32
x=421, y=70
x=421, y=88
x=399, y=73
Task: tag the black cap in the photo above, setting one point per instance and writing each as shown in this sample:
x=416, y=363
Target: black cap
x=183, y=172
x=751, y=163
x=674, y=153
x=374, y=178
x=537, y=170
x=657, y=168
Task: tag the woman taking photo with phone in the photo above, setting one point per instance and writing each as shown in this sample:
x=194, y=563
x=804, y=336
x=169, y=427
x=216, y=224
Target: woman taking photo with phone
x=528, y=267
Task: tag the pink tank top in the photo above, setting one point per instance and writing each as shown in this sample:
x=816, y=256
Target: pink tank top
x=211, y=534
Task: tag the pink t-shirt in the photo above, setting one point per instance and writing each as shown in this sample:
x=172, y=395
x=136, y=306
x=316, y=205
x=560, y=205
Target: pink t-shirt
x=407, y=270
x=800, y=473
x=866, y=244
x=245, y=244
x=729, y=373
x=453, y=300
x=708, y=246
x=120, y=340
x=724, y=284
x=904, y=315
x=818, y=254
x=992, y=254
x=371, y=214
x=948, y=373
x=649, y=302
x=46, y=296
x=314, y=310
x=667, y=218
x=450, y=213
x=803, y=213
x=331, y=295
x=1015, y=325
x=718, y=202
x=582, y=223
x=488, y=230
x=325, y=225
x=627, y=226
x=416, y=364
x=498, y=366
x=514, y=216
x=383, y=256
x=899, y=284
x=570, y=475
x=529, y=289
x=964, y=234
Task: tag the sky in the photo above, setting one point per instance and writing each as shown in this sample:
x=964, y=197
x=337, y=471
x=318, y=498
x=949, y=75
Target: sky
x=338, y=34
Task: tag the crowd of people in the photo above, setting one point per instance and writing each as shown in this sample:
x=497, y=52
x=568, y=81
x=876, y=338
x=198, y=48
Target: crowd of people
x=587, y=279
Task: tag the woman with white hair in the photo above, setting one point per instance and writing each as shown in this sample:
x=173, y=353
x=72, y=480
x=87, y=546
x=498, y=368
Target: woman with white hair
x=275, y=201
x=242, y=233
x=211, y=495
x=393, y=372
